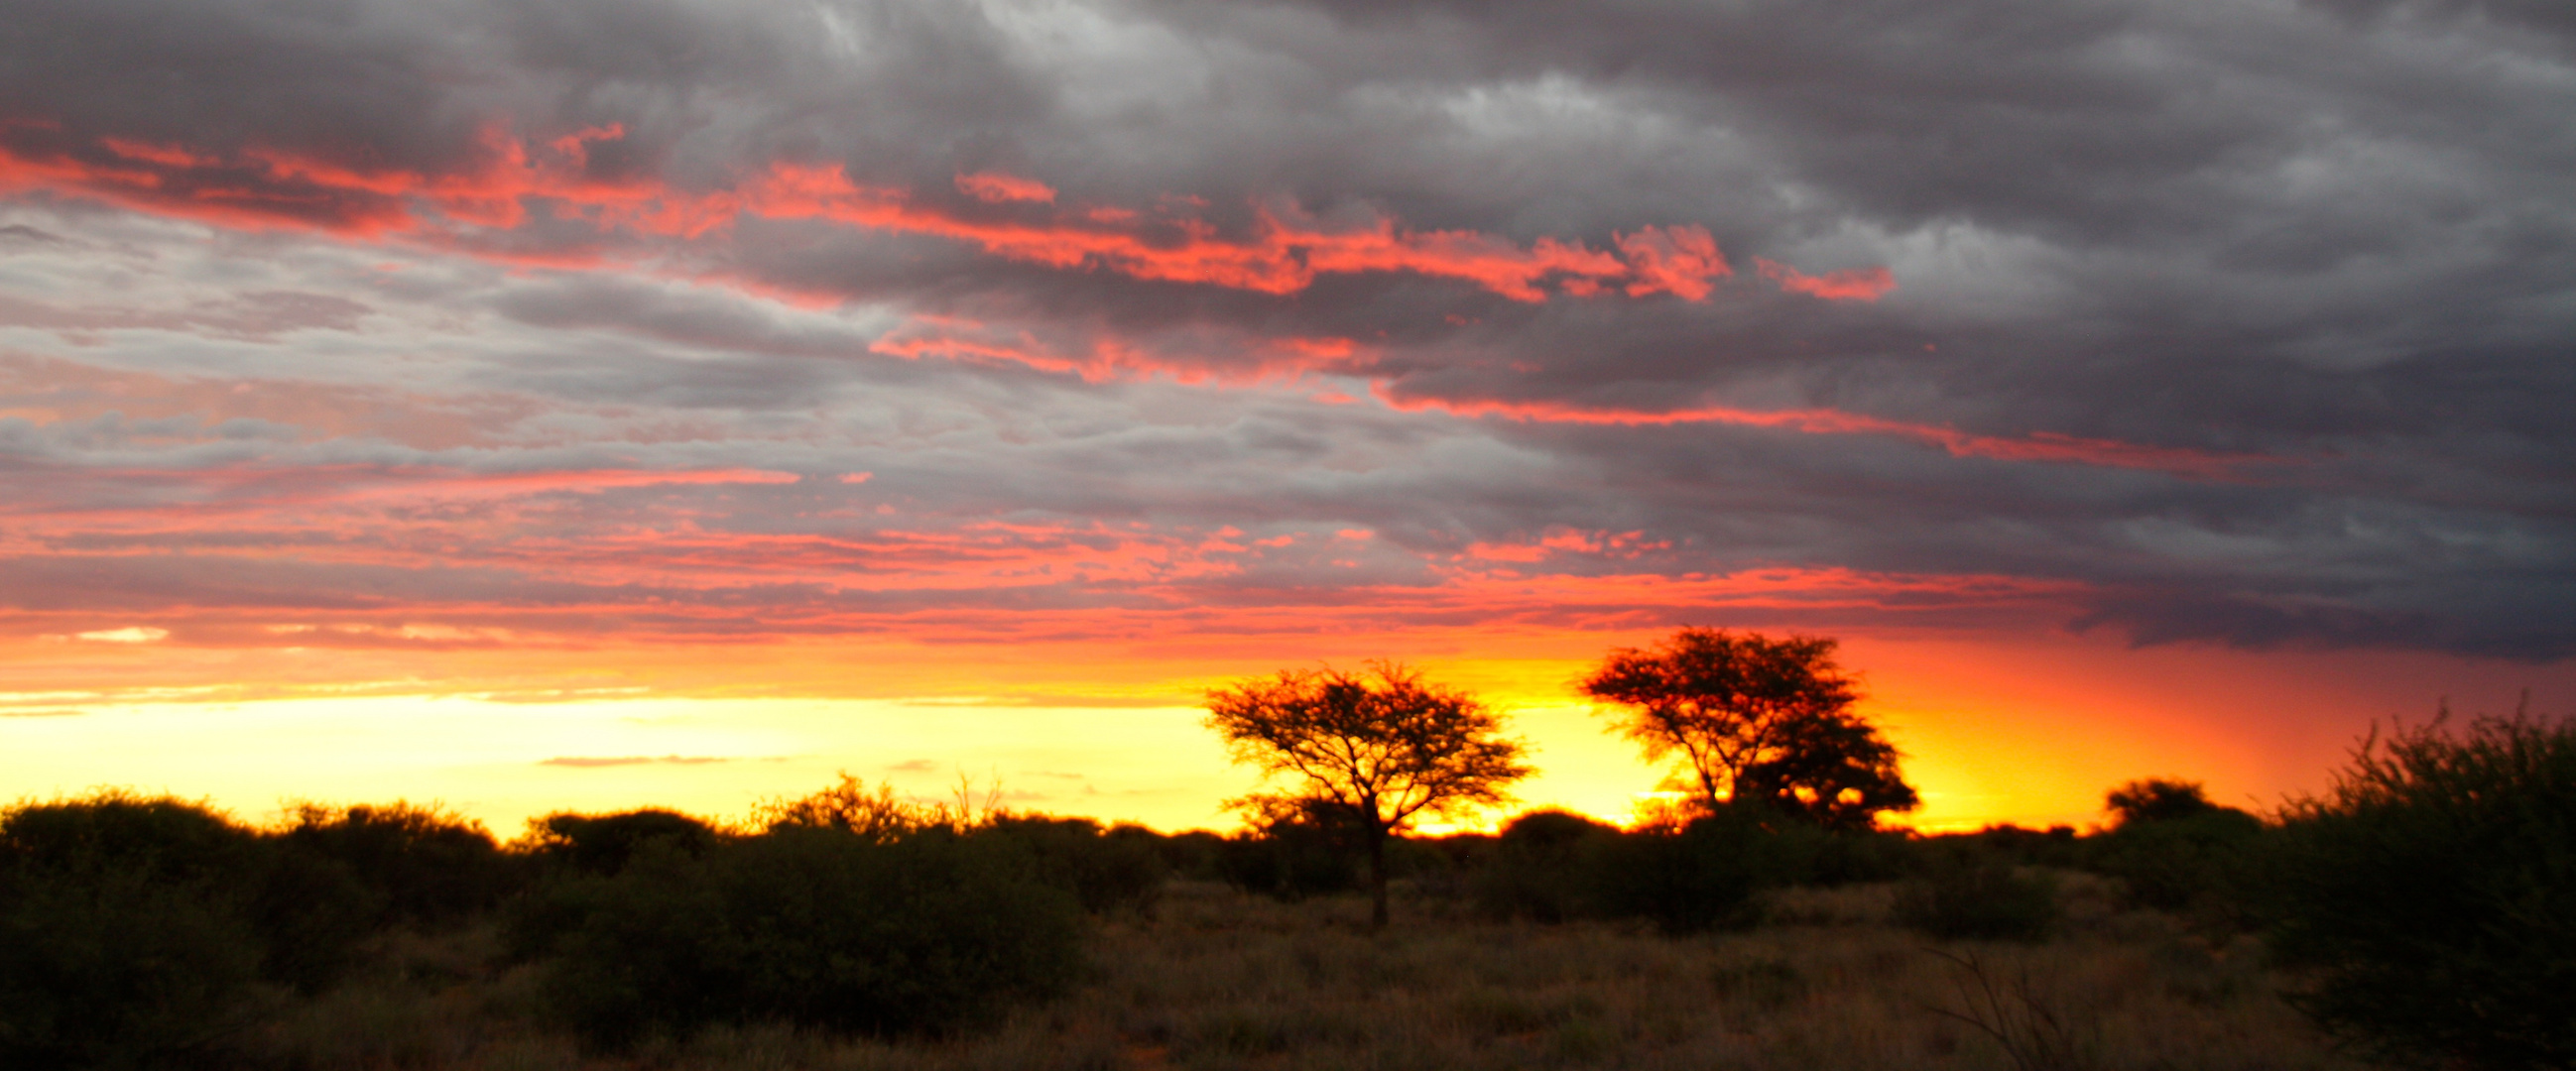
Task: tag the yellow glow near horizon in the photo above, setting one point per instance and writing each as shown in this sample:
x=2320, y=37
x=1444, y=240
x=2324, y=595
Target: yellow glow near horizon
x=2030, y=731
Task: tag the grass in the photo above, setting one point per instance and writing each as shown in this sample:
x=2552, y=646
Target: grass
x=1213, y=978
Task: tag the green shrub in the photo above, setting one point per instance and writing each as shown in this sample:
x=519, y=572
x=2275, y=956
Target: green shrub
x=1971, y=897
x=815, y=927
x=122, y=939
x=2432, y=893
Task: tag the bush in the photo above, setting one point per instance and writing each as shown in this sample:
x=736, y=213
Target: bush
x=2431, y=891
x=1702, y=876
x=603, y=844
x=815, y=927
x=425, y=866
x=1965, y=897
x=2204, y=863
x=1542, y=867
x=1288, y=861
x=1121, y=869
x=122, y=942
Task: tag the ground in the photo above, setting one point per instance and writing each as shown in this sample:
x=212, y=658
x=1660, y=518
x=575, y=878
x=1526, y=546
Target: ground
x=1213, y=978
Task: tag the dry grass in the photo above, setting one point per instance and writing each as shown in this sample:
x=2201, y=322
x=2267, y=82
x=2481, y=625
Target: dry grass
x=1216, y=979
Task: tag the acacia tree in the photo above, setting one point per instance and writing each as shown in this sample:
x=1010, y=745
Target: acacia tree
x=1758, y=720
x=1368, y=752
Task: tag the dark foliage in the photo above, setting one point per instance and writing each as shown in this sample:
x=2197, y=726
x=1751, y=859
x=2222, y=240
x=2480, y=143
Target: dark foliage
x=1971, y=895
x=2206, y=864
x=1699, y=877
x=123, y=942
x=1543, y=867
x=2432, y=891
x=1289, y=859
x=1193, y=855
x=2056, y=846
x=425, y=866
x=815, y=927
x=2158, y=799
x=604, y=844
x=1120, y=869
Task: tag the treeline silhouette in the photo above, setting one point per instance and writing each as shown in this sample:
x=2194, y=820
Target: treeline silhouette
x=2422, y=899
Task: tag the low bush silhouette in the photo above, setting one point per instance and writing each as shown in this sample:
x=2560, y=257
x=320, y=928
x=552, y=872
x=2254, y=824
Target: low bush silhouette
x=1289, y=860
x=1972, y=896
x=2430, y=892
x=1543, y=867
x=815, y=927
x=1119, y=869
x=2175, y=850
x=1701, y=876
x=2207, y=865
x=429, y=867
x=123, y=941
x=603, y=844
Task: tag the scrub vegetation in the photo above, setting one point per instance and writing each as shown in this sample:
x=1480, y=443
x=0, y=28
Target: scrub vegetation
x=2414, y=915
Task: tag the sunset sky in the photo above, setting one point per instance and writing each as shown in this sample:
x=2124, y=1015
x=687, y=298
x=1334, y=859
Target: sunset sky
x=543, y=404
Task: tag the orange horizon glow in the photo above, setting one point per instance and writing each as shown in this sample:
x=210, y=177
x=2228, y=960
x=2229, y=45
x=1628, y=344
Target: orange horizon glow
x=1995, y=730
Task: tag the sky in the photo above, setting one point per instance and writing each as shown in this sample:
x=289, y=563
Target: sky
x=555, y=404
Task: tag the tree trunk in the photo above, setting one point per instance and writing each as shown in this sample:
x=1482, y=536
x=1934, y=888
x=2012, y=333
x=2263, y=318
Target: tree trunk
x=1377, y=881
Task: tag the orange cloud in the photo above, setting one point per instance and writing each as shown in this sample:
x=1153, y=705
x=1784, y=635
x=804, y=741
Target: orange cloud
x=1853, y=284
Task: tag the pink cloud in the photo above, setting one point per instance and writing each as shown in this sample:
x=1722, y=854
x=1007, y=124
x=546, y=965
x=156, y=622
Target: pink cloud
x=1853, y=284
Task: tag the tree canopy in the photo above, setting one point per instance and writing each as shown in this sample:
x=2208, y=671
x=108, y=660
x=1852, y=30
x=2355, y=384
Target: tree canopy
x=1369, y=751
x=1758, y=721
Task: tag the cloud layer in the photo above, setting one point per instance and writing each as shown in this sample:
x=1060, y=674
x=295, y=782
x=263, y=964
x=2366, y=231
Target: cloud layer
x=444, y=325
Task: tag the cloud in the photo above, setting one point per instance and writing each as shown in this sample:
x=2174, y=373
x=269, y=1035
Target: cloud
x=586, y=762
x=128, y=634
x=2236, y=324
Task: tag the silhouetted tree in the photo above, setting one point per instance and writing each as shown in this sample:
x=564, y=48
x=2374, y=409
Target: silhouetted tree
x=1760, y=721
x=1369, y=751
x=606, y=843
x=2158, y=799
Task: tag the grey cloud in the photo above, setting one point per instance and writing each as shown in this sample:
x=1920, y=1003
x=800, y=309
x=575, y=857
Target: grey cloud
x=2336, y=235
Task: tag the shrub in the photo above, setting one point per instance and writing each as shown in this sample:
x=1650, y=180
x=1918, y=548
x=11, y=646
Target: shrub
x=426, y=866
x=1106, y=872
x=603, y=844
x=2158, y=799
x=1966, y=897
x=815, y=927
x=121, y=938
x=2431, y=889
x=1702, y=876
x=1542, y=867
x=1288, y=861
x=2204, y=863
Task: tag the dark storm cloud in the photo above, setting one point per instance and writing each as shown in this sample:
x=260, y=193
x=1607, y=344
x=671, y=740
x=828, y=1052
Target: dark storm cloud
x=2329, y=249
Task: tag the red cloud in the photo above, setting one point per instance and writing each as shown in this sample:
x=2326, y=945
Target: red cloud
x=1679, y=261
x=996, y=187
x=1854, y=284
x=265, y=187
